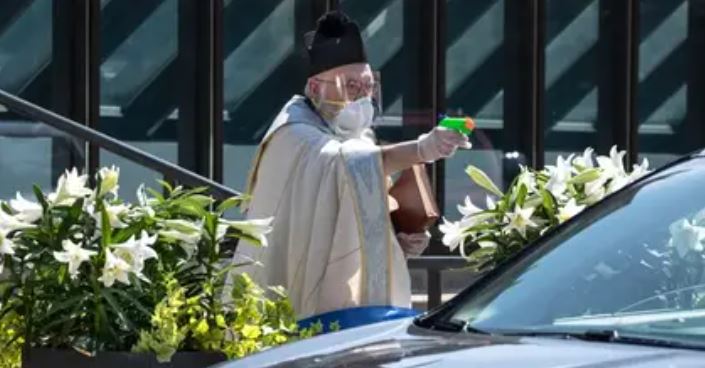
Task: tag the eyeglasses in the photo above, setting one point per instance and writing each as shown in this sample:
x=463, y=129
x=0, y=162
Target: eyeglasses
x=355, y=88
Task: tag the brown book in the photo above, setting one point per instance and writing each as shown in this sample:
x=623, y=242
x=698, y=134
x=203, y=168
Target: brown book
x=417, y=209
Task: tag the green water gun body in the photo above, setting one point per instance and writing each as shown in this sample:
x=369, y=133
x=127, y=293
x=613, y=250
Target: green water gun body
x=463, y=125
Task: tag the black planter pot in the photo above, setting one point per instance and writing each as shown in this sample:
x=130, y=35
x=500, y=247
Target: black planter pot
x=58, y=358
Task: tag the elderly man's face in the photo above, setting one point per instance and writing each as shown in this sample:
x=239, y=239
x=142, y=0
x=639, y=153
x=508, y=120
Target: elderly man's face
x=345, y=83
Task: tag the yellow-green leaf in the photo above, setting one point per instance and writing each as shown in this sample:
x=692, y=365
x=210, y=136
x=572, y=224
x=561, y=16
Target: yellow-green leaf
x=585, y=177
x=251, y=331
x=202, y=328
x=220, y=321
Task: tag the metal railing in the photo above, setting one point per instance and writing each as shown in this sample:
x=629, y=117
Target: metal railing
x=173, y=171
x=434, y=265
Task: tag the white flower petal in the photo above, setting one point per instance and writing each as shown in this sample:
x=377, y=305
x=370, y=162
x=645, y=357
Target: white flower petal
x=468, y=208
x=74, y=255
x=27, y=211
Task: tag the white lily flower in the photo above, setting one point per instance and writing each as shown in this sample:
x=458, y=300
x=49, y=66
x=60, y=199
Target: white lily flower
x=469, y=208
x=7, y=246
x=27, y=211
x=585, y=160
x=257, y=228
x=143, y=199
x=699, y=218
x=187, y=242
x=556, y=186
x=527, y=178
x=613, y=166
x=114, y=212
x=559, y=175
x=617, y=183
x=220, y=231
x=140, y=212
x=192, y=238
x=595, y=190
x=115, y=269
x=686, y=237
x=183, y=226
x=519, y=220
x=490, y=203
x=74, y=255
x=11, y=223
x=70, y=186
x=570, y=209
x=453, y=236
x=136, y=251
x=562, y=168
x=109, y=180
x=639, y=170
x=187, y=233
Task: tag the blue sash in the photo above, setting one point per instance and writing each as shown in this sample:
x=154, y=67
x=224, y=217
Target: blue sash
x=358, y=316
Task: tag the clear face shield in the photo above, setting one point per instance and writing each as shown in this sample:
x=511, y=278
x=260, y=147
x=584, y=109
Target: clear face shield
x=348, y=98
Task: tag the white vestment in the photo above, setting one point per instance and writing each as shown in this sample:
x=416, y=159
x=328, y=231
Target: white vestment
x=332, y=244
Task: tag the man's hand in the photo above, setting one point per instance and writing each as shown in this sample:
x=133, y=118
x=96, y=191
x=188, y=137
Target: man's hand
x=440, y=143
x=414, y=244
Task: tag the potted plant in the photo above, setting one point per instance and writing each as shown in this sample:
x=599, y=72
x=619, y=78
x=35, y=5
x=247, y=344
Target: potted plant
x=89, y=280
x=535, y=201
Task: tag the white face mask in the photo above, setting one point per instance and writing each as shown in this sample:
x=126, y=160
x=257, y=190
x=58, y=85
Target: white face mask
x=354, y=118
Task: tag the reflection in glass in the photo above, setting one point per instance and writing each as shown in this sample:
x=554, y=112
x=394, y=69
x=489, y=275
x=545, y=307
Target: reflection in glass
x=25, y=47
x=138, y=105
x=474, y=86
x=572, y=66
x=263, y=68
x=606, y=271
x=662, y=98
x=382, y=25
x=146, y=51
x=33, y=153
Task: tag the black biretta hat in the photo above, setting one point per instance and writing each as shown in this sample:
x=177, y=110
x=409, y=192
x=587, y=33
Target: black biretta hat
x=336, y=41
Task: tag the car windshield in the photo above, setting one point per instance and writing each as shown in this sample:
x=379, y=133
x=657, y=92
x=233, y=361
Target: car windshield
x=633, y=263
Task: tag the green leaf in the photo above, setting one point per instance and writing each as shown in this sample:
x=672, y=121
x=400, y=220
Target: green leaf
x=193, y=191
x=202, y=200
x=118, y=310
x=156, y=195
x=549, y=203
x=237, y=234
x=72, y=215
x=533, y=201
x=59, y=307
x=228, y=204
x=189, y=207
x=140, y=307
x=43, y=328
x=481, y=179
x=482, y=253
x=521, y=195
x=4, y=207
x=104, y=226
x=166, y=185
x=40, y=197
x=211, y=222
x=585, y=176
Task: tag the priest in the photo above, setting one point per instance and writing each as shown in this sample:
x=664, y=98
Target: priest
x=319, y=173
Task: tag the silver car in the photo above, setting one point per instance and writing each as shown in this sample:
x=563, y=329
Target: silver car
x=620, y=285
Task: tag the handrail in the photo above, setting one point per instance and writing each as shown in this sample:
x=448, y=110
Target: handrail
x=113, y=145
x=437, y=263
x=434, y=267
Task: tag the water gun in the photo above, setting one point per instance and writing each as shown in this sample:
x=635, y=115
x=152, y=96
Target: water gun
x=463, y=125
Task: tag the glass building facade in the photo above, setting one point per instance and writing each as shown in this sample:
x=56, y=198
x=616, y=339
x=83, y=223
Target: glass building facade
x=197, y=82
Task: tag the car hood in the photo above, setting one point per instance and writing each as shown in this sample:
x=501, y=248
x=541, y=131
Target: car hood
x=401, y=344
